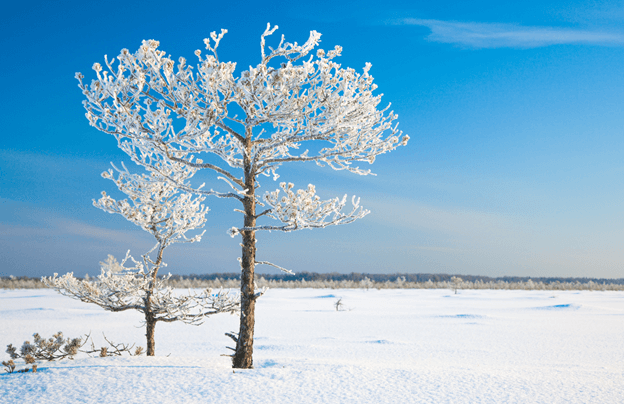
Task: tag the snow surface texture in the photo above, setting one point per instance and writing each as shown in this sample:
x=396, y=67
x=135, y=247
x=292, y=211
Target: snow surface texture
x=387, y=346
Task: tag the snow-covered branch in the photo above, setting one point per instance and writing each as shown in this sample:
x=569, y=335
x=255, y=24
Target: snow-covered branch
x=137, y=99
x=288, y=271
x=155, y=205
x=291, y=51
x=120, y=288
x=304, y=209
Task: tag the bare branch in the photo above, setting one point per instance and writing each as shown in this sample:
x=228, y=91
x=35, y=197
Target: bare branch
x=232, y=335
x=288, y=271
x=263, y=213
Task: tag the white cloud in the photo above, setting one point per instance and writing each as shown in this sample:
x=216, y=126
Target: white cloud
x=69, y=227
x=492, y=35
x=64, y=232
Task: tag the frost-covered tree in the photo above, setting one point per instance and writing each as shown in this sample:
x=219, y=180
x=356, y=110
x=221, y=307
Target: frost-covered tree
x=457, y=283
x=293, y=106
x=158, y=207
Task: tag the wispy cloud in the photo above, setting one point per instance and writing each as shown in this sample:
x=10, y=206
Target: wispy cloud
x=456, y=223
x=492, y=35
x=468, y=240
x=71, y=232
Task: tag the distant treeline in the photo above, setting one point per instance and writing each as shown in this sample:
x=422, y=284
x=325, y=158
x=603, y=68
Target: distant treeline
x=368, y=281
x=380, y=278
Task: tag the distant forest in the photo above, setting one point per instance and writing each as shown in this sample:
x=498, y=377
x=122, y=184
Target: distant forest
x=359, y=280
x=357, y=277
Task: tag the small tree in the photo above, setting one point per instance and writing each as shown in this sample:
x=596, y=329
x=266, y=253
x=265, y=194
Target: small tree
x=457, y=283
x=160, y=209
x=253, y=123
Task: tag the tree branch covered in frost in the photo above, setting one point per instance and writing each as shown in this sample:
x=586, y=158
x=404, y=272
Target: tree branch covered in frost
x=305, y=210
x=156, y=206
x=288, y=271
x=49, y=349
x=159, y=110
x=120, y=288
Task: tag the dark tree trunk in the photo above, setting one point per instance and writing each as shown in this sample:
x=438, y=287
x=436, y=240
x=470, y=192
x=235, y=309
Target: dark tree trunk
x=150, y=326
x=150, y=317
x=243, y=357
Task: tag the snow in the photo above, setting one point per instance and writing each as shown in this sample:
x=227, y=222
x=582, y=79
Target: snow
x=388, y=346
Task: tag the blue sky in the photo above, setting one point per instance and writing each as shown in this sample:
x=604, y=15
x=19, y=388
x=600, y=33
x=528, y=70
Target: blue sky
x=515, y=164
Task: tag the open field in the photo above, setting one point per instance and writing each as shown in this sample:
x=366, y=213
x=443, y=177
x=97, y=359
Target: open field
x=388, y=346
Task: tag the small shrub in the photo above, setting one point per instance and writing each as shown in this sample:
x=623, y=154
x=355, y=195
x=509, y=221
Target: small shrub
x=51, y=349
x=57, y=348
x=9, y=365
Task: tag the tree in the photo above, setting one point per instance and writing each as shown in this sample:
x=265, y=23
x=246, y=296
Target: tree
x=457, y=283
x=167, y=214
x=253, y=123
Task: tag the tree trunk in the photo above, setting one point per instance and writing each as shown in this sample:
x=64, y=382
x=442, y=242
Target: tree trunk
x=243, y=357
x=150, y=318
x=150, y=326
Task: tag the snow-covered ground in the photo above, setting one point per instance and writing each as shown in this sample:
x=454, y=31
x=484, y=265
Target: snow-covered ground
x=388, y=346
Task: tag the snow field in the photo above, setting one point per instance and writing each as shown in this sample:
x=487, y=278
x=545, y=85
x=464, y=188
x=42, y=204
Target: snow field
x=388, y=346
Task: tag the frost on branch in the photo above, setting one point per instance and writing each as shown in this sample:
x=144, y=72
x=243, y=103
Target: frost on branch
x=49, y=349
x=304, y=209
x=120, y=288
x=155, y=205
x=156, y=110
